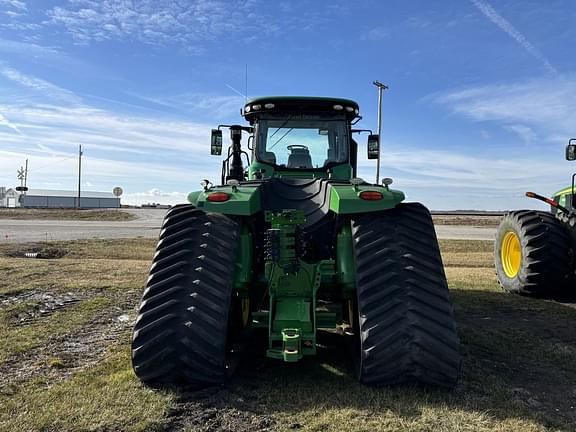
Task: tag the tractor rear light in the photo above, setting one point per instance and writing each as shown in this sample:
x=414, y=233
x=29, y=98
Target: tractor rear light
x=269, y=106
x=349, y=109
x=256, y=107
x=338, y=107
x=247, y=108
x=371, y=195
x=218, y=197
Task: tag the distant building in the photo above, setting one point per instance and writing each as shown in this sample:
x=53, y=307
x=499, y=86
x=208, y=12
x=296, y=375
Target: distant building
x=9, y=197
x=43, y=198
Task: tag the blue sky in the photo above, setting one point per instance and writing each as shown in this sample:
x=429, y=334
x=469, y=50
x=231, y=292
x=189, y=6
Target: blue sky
x=482, y=96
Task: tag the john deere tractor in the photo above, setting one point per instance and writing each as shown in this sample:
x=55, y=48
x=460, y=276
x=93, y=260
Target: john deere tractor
x=292, y=242
x=535, y=251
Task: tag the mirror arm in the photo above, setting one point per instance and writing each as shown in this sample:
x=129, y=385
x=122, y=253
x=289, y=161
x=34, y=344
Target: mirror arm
x=361, y=130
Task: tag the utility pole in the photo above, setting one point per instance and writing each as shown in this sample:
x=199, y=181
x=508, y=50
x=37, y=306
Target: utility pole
x=26, y=177
x=381, y=87
x=21, y=178
x=79, y=174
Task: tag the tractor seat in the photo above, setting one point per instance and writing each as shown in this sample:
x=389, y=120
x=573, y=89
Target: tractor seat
x=299, y=158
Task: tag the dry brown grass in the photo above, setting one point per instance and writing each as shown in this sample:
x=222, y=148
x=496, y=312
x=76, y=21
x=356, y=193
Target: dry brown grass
x=474, y=220
x=518, y=372
x=66, y=214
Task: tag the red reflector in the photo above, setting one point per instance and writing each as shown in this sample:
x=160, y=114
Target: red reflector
x=370, y=195
x=218, y=197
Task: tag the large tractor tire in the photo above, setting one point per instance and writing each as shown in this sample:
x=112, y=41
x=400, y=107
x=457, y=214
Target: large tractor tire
x=532, y=254
x=180, y=335
x=406, y=330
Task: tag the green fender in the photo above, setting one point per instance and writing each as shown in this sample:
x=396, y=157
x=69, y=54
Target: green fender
x=344, y=199
x=243, y=200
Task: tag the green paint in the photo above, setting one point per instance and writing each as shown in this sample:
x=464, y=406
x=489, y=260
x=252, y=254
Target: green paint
x=564, y=191
x=193, y=197
x=345, y=199
x=345, y=267
x=341, y=172
x=259, y=170
x=244, y=264
x=244, y=201
x=292, y=285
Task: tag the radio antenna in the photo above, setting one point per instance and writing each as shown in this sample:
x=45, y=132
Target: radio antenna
x=246, y=83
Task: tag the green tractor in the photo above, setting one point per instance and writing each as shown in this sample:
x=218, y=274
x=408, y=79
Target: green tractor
x=535, y=251
x=293, y=242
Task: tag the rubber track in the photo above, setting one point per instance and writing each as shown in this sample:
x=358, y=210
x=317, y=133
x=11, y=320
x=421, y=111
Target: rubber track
x=406, y=321
x=546, y=257
x=180, y=334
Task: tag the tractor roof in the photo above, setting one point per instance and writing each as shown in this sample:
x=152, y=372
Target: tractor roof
x=299, y=104
x=564, y=191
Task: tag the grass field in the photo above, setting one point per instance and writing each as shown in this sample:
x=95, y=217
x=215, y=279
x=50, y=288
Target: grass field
x=65, y=365
x=469, y=220
x=65, y=214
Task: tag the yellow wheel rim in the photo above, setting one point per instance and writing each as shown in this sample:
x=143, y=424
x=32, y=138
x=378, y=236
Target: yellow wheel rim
x=511, y=254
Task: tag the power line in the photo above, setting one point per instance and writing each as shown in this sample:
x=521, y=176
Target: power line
x=54, y=163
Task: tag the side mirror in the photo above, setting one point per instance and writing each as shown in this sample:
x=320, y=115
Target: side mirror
x=571, y=152
x=216, y=142
x=373, y=146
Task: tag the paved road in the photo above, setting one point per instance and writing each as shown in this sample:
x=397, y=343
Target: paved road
x=464, y=232
x=148, y=224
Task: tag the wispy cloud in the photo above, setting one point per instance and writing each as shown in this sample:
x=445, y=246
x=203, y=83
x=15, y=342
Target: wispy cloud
x=456, y=180
x=541, y=112
x=158, y=22
x=128, y=150
x=375, y=34
x=65, y=127
x=201, y=104
x=28, y=49
x=525, y=133
x=5, y=122
x=505, y=25
x=14, y=4
x=546, y=104
x=135, y=150
x=446, y=168
x=48, y=55
x=39, y=85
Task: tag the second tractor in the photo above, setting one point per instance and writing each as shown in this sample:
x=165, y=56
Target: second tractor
x=535, y=251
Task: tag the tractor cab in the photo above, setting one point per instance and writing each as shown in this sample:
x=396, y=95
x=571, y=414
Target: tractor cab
x=306, y=137
x=301, y=136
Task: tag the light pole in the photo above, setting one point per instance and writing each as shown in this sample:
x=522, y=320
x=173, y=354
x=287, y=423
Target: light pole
x=381, y=87
x=79, y=173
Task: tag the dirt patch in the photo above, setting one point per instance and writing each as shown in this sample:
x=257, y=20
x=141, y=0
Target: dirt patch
x=220, y=409
x=528, y=345
x=25, y=307
x=60, y=357
x=37, y=251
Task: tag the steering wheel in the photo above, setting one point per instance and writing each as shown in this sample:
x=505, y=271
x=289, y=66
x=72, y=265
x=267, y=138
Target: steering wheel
x=297, y=147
